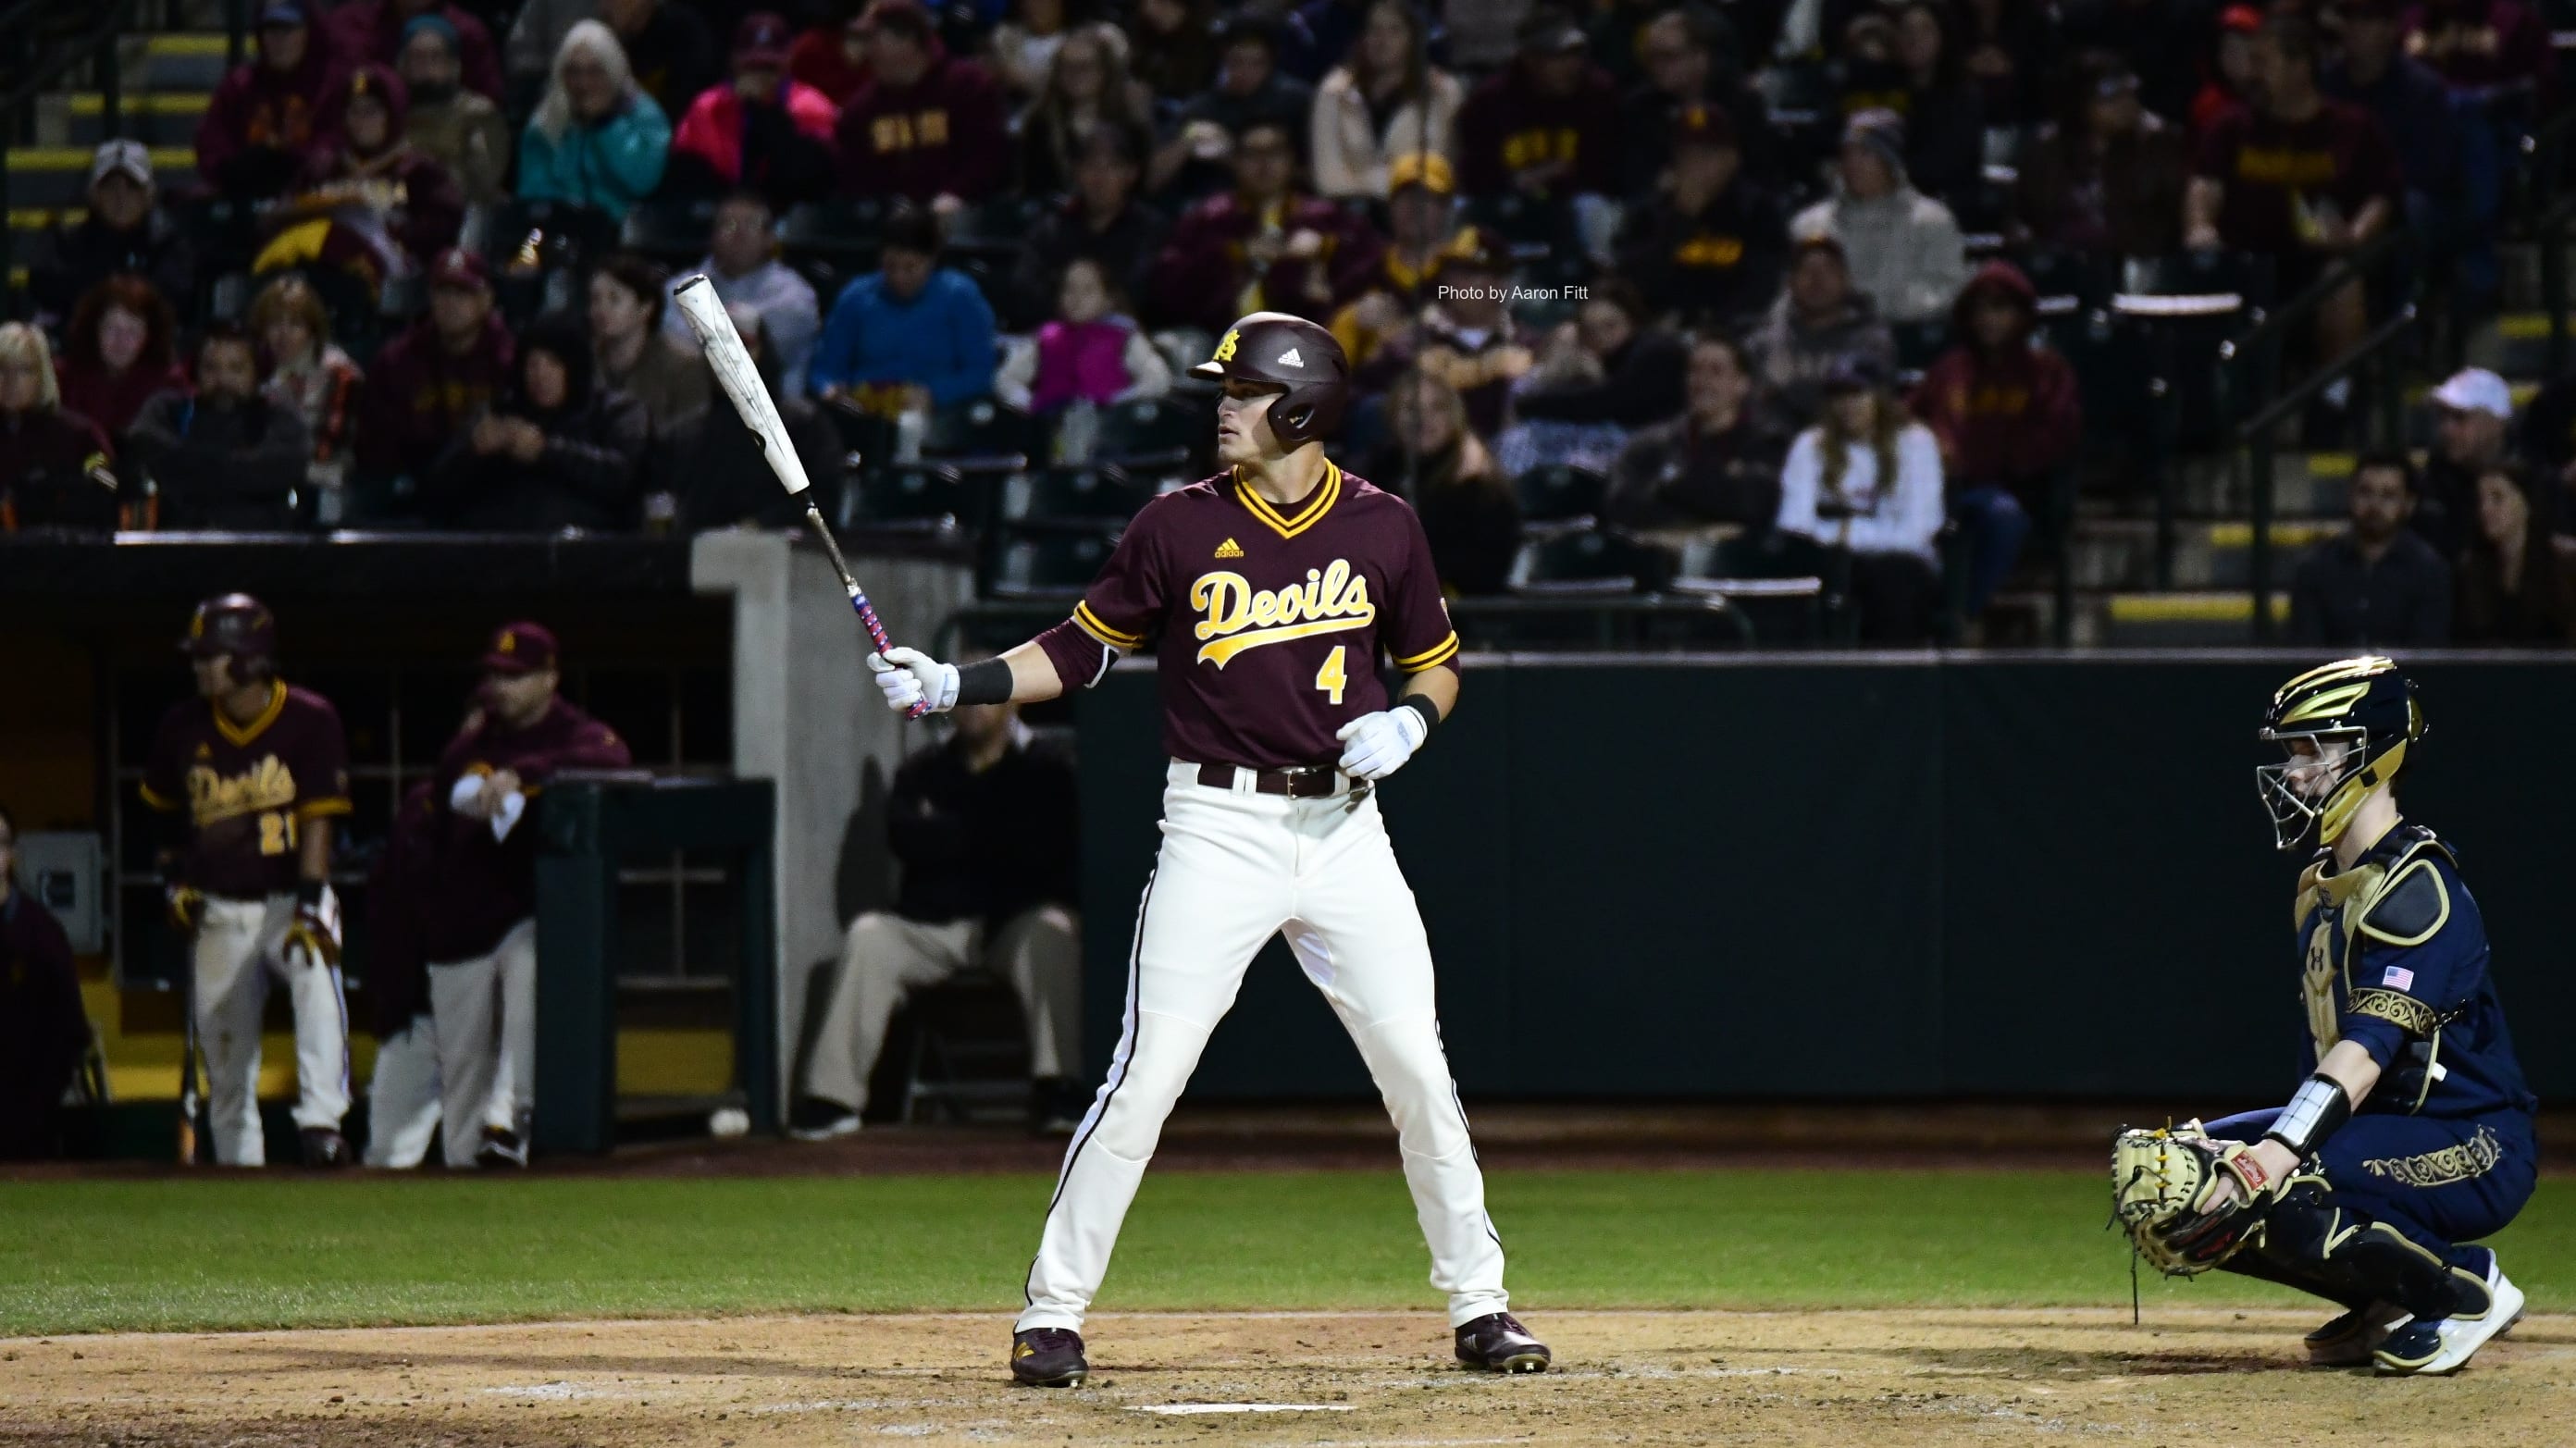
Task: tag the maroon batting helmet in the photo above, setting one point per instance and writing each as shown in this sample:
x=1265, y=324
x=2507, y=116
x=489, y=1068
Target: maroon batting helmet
x=1295, y=356
x=235, y=624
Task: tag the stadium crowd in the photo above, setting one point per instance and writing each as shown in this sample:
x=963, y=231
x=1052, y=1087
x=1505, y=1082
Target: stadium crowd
x=1765, y=268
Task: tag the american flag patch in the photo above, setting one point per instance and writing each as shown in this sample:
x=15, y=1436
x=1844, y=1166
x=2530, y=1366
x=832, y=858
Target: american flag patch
x=2398, y=978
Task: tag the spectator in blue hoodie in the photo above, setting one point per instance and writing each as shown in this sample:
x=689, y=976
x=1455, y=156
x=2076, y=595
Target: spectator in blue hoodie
x=914, y=332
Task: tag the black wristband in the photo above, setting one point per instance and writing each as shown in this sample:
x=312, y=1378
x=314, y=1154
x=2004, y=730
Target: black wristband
x=2320, y=1106
x=984, y=682
x=309, y=892
x=1423, y=706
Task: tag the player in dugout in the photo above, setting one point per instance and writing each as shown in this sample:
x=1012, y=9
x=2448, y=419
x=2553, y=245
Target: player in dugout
x=2412, y=1135
x=253, y=774
x=1272, y=588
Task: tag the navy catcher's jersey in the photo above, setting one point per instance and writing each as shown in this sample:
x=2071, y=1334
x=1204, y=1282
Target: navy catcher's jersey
x=2396, y=960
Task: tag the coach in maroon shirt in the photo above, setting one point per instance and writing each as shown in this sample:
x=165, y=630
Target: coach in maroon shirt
x=43, y=1030
x=927, y=125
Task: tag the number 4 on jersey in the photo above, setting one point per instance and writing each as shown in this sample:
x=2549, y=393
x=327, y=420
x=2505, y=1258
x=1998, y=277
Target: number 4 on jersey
x=1330, y=677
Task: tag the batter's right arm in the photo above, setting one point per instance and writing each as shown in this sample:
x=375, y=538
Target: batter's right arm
x=1112, y=619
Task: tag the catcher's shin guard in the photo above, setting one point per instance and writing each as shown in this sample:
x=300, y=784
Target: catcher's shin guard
x=2326, y=1250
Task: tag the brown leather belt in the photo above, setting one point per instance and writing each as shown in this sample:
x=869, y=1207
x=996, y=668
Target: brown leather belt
x=1305, y=781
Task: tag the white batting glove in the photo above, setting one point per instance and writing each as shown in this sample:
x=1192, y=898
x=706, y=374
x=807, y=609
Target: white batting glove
x=909, y=676
x=1377, y=745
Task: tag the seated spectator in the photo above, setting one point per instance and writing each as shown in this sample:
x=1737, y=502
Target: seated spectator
x=221, y=458
x=1435, y=461
x=125, y=231
x=2008, y=416
x=439, y=375
x=761, y=131
x=2473, y=411
x=1263, y=244
x=373, y=177
x=742, y=265
x=478, y=909
x=266, y=116
x=372, y=32
x=2163, y=43
x=630, y=352
x=913, y=336
x=1603, y=375
x=44, y=1031
x=120, y=349
x=536, y=34
x=1386, y=101
x=670, y=48
x=2451, y=173
x=928, y=126
x=1428, y=241
x=1546, y=127
x=831, y=55
x=2106, y=179
x=555, y=451
x=2233, y=81
x=1818, y=321
x=1687, y=69
x=1903, y=247
x=2486, y=46
x=596, y=140
x=1092, y=351
x=1086, y=89
x=1714, y=464
x=453, y=124
x=1710, y=246
x=1103, y=220
x=1465, y=335
x=1250, y=92
x=2376, y=585
x=1024, y=46
x=2008, y=47
x=2517, y=578
x=713, y=463
x=2297, y=178
x=311, y=377
x=1943, y=109
x=986, y=829
x=1867, y=479
x=56, y=469
x=1172, y=46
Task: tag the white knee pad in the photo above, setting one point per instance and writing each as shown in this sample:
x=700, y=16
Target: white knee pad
x=1151, y=1070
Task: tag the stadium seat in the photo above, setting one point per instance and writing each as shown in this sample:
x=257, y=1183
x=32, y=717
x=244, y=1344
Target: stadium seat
x=1531, y=228
x=1027, y=562
x=993, y=230
x=845, y=232
x=1559, y=495
x=1070, y=495
x=981, y=434
x=673, y=233
x=906, y=500
x=1589, y=561
x=155, y=120
x=867, y=440
x=1150, y=431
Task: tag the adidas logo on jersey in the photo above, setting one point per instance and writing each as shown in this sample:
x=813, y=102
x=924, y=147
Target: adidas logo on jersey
x=1229, y=549
x=1290, y=358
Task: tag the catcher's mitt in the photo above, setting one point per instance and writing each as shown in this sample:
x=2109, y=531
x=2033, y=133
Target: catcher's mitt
x=2162, y=1186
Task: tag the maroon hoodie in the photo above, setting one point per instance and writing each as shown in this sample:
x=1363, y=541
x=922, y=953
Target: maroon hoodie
x=418, y=396
x=2010, y=416
x=482, y=887
x=262, y=122
x=1508, y=125
x=372, y=30
x=431, y=207
x=945, y=132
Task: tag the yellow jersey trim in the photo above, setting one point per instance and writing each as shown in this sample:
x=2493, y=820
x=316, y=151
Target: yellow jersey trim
x=1316, y=507
x=241, y=738
x=1431, y=656
x=1090, y=623
x=1219, y=651
x=316, y=809
x=156, y=800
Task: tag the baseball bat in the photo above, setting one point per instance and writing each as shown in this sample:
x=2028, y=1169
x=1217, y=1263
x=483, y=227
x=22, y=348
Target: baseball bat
x=188, y=1069
x=705, y=313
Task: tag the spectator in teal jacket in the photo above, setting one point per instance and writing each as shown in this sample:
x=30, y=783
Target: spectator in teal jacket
x=596, y=139
x=912, y=329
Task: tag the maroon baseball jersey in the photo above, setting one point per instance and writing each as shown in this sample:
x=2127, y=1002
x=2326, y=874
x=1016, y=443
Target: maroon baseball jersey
x=1270, y=618
x=479, y=887
x=249, y=790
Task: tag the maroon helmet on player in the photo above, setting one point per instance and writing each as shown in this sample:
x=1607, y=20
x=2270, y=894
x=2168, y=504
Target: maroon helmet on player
x=238, y=625
x=1295, y=356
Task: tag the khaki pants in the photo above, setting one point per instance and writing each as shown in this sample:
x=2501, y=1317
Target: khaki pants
x=239, y=946
x=887, y=957
x=486, y=1013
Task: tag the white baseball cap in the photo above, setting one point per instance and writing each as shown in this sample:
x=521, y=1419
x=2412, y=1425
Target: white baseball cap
x=2475, y=389
x=121, y=155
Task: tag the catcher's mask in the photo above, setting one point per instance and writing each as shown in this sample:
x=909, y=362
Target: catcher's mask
x=2359, y=715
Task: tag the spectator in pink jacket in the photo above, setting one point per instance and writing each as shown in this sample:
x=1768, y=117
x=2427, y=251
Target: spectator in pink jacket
x=761, y=131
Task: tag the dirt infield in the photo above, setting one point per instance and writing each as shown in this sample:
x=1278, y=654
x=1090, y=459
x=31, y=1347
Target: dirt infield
x=1939, y=1378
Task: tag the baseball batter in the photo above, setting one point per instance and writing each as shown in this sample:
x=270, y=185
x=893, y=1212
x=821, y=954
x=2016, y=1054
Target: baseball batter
x=1272, y=589
x=254, y=772
x=2411, y=1137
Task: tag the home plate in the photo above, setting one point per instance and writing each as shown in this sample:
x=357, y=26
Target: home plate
x=1183, y=1410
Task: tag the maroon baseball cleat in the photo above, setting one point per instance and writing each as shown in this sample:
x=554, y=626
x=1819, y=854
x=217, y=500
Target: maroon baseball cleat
x=1049, y=1357
x=1498, y=1343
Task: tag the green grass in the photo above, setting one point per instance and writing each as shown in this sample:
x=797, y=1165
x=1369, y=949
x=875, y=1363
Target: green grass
x=207, y=1252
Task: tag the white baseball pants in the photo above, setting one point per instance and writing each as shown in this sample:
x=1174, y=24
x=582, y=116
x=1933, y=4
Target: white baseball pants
x=403, y=1097
x=1236, y=867
x=239, y=946
x=486, y=1009
x=886, y=957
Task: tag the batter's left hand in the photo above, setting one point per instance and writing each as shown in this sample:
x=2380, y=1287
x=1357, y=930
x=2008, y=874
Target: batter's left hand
x=1377, y=745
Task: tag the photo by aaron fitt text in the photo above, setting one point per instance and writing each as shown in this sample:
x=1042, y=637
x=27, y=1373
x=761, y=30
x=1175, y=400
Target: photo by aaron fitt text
x=1515, y=294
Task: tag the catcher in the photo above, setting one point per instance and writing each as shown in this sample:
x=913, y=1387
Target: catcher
x=2412, y=1134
